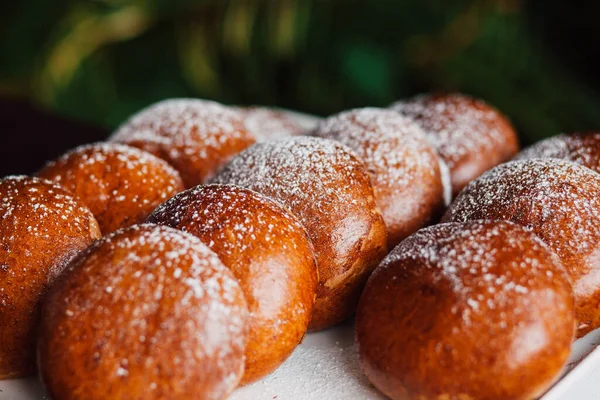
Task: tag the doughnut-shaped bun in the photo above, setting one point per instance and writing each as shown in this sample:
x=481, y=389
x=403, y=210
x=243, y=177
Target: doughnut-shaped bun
x=477, y=310
x=147, y=312
x=328, y=188
x=120, y=184
x=195, y=136
x=269, y=123
x=560, y=202
x=267, y=250
x=42, y=227
x=469, y=135
x=404, y=168
x=581, y=148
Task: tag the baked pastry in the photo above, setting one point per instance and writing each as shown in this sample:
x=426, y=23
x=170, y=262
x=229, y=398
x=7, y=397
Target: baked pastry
x=268, y=251
x=476, y=310
x=147, y=312
x=42, y=227
x=269, y=123
x=404, y=168
x=469, y=135
x=194, y=136
x=120, y=184
x=560, y=202
x=581, y=148
x=327, y=187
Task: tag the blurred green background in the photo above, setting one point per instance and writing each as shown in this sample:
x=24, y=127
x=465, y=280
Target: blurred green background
x=99, y=61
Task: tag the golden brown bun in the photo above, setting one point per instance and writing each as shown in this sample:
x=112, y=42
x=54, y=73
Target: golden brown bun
x=269, y=123
x=42, y=227
x=327, y=187
x=469, y=135
x=560, y=202
x=195, y=136
x=581, y=148
x=270, y=254
x=148, y=312
x=404, y=168
x=479, y=310
x=120, y=184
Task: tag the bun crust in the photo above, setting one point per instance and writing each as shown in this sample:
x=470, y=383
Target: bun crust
x=404, y=168
x=469, y=135
x=147, y=312
x=560, y=202
x=195, y=136
x=581, y=148
x=326, y=186
x=268, y=251
x=477, y=310
x=42, y=227
x=120, y=184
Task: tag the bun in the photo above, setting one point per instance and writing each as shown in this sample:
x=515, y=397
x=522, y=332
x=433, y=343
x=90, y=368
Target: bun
x=120, y=184
x=267, y=250
x=581, y=148
x=560, y=202
x=147, y=312
x=327, y=187
x=195, y=136
x=478, y=310
x=469, y=135
x=268, y=124
x=404, y=168
x=42, y=227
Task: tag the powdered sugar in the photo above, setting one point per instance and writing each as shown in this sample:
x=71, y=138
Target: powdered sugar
x=559, y=200
x=120, y=184
x=39, y=209
x=394, y=147
x=324, y=366
x=173, y=119
x=305, y=174
x=581, y=148
x=404, y=168
x=172, y=302
x=488, y=264
x=268, y=124
x=446, y=181
x=132, y=159
x=195, y=136
x=457, y=125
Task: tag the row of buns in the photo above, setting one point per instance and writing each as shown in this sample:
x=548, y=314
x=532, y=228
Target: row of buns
x=193, y=251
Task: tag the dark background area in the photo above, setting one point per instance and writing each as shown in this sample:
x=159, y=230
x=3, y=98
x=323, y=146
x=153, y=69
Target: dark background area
x=71, y=71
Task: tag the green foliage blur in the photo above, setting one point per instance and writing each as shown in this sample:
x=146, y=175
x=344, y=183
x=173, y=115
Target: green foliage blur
x=102, y=60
